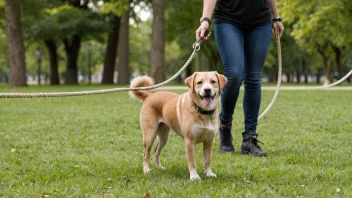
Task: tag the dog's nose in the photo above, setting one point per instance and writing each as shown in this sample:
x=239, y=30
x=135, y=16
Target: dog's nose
x=207, y=91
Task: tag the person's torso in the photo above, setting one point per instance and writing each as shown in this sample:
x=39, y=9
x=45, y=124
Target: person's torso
x=242, y=12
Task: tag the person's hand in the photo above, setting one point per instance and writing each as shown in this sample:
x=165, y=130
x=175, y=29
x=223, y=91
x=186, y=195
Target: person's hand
x=278, y=28
x=202, y=28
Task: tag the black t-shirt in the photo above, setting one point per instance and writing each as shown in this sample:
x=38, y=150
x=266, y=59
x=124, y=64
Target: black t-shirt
x=242, y=12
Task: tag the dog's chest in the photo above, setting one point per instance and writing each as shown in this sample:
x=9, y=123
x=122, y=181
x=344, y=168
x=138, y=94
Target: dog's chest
x=204, y=132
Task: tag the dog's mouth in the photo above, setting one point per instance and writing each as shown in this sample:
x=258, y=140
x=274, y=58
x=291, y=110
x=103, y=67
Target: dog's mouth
x=207, y=98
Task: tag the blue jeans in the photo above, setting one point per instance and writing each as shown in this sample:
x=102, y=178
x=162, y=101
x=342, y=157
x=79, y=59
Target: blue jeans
x=243, y=52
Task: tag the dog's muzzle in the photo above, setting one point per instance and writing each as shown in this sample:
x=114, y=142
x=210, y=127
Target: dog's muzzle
x=207, y=98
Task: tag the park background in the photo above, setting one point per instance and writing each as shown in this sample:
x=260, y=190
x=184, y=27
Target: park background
x=111, y=41
x=91, y=146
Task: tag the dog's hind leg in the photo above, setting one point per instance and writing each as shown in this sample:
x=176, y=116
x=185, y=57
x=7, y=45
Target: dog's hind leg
x=163, y=132
x=149, y=134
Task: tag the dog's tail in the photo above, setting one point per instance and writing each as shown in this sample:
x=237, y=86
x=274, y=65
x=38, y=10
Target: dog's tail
x=139, y=81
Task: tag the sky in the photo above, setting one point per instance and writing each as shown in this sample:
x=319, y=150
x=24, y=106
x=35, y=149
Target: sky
x=144, y=14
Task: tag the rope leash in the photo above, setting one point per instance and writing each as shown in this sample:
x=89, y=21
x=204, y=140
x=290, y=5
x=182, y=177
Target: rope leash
x=279, y=60
x=279, y=56
x=333, y=84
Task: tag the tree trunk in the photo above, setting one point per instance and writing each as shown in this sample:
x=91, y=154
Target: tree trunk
x=111, y=52
x=158, y=41
x=72, y=53
x=305, y=71
x=298, y=75
x=318, y=75
x=15, y=42
x=325, y=63
x=288, y=75
x=123, y=74
x=275, y=73
x=270, y=73
x=337, y=52
x=326, y=67
x=53, y=57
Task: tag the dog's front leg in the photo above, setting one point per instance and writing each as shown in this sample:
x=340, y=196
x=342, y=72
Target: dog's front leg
x=191, y=158
x=207, y=151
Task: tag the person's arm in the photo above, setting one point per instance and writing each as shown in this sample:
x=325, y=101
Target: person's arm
x=277, y=26
x=208, y=9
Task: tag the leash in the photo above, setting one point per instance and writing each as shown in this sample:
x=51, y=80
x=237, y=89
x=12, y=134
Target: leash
x=196, y=48
x=279, y=56
x=333, y=84
x=279, y=60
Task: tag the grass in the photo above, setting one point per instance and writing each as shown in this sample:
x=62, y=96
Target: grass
x=91, y=146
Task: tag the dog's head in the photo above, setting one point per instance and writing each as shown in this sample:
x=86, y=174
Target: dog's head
x=205, y=88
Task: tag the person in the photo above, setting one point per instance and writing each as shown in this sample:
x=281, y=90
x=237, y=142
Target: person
x=242, y=31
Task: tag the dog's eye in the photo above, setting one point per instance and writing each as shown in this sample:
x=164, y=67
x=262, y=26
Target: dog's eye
x=199, y=82
x=213, y=81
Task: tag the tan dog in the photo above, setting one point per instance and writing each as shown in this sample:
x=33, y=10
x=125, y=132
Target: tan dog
x=193, y=115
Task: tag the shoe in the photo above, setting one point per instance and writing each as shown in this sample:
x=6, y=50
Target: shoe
x=250, y=146
x=225, y=137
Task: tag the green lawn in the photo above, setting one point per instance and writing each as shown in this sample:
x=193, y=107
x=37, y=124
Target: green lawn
x=91, y=146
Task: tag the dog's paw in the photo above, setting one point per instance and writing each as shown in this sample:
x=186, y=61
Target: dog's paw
x=195, y=178
x=146, y=170
x=209, y=174
x=161, y=167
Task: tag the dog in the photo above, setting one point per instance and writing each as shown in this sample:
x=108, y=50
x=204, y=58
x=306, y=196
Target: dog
x=192, y=115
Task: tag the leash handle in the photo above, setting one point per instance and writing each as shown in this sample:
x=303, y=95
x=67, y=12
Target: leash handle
x=196, y=45
x=201, y=38
x=205, y=34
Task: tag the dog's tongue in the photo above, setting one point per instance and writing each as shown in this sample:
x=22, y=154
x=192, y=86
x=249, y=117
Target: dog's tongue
x=207, y=100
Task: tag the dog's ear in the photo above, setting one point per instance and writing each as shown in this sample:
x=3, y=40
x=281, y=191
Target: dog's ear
x=189, y=81
x=222, y=80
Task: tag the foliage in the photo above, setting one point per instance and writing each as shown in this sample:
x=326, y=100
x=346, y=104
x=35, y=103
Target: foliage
x=2, y=15
x=309, y=25
x=313, y=24
x=66, y=21
x=140, y=44
x=92, y=53
x=318, y=25
x=117, y=7
x=3, y=48
x=92, y=147
x=180, y=28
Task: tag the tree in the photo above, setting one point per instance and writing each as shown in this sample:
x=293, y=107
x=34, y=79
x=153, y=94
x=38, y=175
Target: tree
x=158, y=42
x=123, y=74
x=33, y=13
x=314, y=30
x=54, y=61
x=70, y=24
x=111, y=51
x=114, y=9
x=15, y=42
x=72, y=45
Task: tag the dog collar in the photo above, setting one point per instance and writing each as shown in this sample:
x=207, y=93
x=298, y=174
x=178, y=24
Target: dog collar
x=202, y=111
